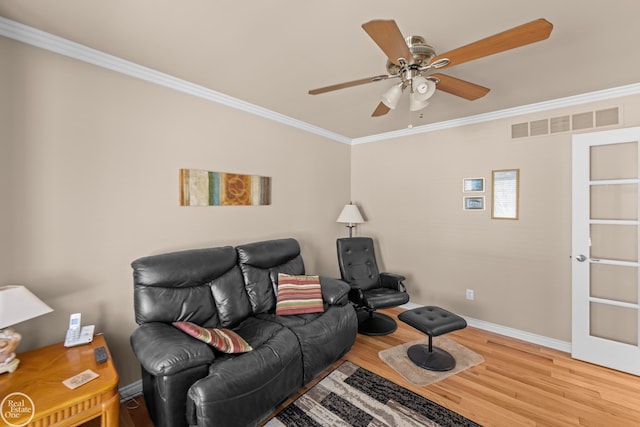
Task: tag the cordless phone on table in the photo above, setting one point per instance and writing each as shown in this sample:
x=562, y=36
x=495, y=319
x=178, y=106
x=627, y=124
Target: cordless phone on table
x=77, y=334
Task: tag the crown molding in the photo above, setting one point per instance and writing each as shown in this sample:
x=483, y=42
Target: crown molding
x=41, y=39
x=569, y=101
x=34, y=37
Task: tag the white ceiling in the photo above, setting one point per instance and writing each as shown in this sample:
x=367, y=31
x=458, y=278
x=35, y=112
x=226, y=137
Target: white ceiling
x=270, y=53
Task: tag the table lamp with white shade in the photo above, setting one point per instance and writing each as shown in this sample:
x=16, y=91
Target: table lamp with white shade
x=350, y=215
x=17, y=304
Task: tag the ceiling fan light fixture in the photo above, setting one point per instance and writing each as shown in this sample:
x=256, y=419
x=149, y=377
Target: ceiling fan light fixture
x=423, y=88
x=417, y=104
x=391, y=97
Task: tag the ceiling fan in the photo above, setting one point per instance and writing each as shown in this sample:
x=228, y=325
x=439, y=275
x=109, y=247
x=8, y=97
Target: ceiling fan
x=415, y=62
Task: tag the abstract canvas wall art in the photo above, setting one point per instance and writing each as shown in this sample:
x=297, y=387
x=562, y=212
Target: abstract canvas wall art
x=205, y=188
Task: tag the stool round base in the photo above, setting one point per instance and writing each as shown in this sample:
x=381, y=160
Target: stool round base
x=375, y=324
x=436, y=360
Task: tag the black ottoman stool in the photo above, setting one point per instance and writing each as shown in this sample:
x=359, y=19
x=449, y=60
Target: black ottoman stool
x=433, y=321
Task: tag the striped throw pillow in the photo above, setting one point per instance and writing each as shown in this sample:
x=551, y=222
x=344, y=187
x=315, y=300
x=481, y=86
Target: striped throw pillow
x=221, y=339
x=298, y=295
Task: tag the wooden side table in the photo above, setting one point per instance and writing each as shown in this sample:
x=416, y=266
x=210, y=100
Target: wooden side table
x=39, y=378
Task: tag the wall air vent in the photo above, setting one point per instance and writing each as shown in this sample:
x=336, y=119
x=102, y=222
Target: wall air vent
x=539, y=127
x=560, y=124
x=574, y=122
x=520, y=130
x=582, y=120
x=607, y=117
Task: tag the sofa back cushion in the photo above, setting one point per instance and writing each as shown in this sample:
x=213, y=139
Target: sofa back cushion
x=202, y=286
x=261, y=262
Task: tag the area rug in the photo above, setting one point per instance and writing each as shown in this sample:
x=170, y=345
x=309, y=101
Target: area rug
x=397, y=358
x=353, y=396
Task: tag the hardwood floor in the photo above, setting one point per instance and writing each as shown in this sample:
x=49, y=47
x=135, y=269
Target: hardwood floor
x=519, y=384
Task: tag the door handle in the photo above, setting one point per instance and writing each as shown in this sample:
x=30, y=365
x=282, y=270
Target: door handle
x=581, y=258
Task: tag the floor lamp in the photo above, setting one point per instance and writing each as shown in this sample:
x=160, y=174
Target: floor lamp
x=350, y=215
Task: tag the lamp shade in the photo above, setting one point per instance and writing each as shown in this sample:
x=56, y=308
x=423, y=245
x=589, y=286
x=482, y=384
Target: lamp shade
x=18, y=304
x=391, y=97
x=423, y=88
x=416, y=104
x=350, y=215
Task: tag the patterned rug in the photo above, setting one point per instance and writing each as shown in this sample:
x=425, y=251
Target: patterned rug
x=353, y=396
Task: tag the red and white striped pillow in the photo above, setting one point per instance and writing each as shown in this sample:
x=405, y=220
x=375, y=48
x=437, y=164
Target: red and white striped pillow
x=222, y=339
x=298, y=295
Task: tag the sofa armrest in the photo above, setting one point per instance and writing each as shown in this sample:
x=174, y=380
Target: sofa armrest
x=334, y=291
x=392, y=281
x=164, y=350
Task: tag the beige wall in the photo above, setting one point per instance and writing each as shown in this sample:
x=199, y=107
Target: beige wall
x=410, y=190
x=89, y=177
x=5, y=175
x=89, y=164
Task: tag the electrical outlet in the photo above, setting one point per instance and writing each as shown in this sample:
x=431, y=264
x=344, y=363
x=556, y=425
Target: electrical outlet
x=470, y=294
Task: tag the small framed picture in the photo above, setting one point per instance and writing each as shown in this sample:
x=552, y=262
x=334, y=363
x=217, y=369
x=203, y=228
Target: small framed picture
x=473, y=185
x=504, y=193
x=473, y=203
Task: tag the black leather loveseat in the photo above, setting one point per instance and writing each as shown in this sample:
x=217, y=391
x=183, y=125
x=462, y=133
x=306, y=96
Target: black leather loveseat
x=186, y=381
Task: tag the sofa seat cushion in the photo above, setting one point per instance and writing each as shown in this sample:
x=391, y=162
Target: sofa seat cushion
x=384, y=297
x=257, y=331
x=242, y=390
x=293, y=321
x=316, y=334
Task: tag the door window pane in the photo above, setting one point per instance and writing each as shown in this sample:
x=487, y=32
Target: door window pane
x=614, y=282
x=614, y=242
x=614, y=201
x=616, y=161
x=606, y=321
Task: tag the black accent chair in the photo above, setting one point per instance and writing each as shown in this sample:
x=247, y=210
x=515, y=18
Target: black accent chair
x=370, y=289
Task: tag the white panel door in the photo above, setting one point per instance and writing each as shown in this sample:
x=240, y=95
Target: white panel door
x=605, y=240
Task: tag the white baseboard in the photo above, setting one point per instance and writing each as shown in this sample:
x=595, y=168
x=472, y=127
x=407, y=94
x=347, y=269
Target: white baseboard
x=510, y=332
x=131, y=390
x=135, y=388
x=521, y=335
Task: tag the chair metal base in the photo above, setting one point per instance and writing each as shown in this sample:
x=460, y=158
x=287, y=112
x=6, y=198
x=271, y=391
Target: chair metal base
x=435, y=360
x=374, y=323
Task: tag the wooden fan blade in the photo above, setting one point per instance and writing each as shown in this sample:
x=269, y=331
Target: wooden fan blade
x=380, y=110
x=461, y=88
x=388, y=37
x=348, y=84
x=531, y=32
